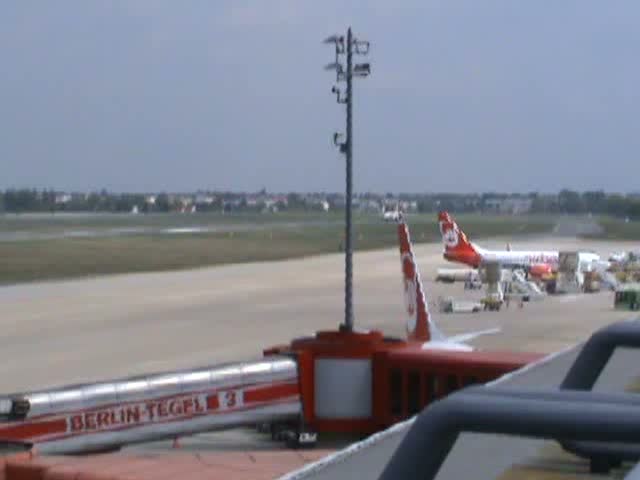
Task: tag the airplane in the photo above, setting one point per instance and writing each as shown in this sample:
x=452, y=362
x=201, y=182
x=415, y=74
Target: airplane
x=540, y=264
x=420, y=325
x=391, y=215
x=617, y=257
x=623, y=257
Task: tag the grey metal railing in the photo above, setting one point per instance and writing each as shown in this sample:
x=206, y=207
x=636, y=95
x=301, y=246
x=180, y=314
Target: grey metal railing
x=602, y=427
x=550, y=414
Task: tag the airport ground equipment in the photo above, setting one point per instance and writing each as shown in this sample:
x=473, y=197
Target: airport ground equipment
x=107, y=415
x=608, y=279
x=517, y=285
x=568, y=278
x=473, y=284
x=451, y=275
x=627, y=297
x=493, y=301
x=550, y=284
x=592, y=281
x=574, y=268
x=491, y=274
x=607, y=273
x=451, y=305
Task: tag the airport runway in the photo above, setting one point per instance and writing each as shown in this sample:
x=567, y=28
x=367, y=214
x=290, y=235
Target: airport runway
x=86, y=330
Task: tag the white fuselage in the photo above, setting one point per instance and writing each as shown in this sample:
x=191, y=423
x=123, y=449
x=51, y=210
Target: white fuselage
x=524, y=258
x=391, y=216
x=519, y=258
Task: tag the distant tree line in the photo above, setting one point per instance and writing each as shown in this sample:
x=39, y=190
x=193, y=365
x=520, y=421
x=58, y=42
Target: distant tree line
x=31, y=200
x=591, y=202
x=566, y=201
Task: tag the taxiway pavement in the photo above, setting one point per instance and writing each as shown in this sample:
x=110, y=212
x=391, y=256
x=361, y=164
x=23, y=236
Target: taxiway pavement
x=54, y=333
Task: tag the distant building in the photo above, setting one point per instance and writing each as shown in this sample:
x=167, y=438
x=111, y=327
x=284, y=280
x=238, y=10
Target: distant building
x=509, y=205
x=202, y=199
x=408, y=207
x=370, y=206
x=253, y=202
x=62, y=198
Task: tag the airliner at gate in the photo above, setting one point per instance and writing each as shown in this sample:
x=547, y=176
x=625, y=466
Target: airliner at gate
x=458, y=248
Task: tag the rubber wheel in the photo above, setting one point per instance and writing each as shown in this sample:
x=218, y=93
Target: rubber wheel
x=292, y=443
x=600, y=465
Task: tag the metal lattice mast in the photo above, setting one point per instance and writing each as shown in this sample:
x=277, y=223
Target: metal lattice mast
x=349, y=47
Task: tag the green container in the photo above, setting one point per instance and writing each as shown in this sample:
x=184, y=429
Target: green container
x=627, y=297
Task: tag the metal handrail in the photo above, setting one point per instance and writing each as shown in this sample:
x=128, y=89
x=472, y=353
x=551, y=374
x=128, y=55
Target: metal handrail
x=547, y=414
x=597, y=426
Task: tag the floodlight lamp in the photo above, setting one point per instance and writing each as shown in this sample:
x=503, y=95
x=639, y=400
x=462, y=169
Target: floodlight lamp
x=362, y=69
x=332, y=39
x=362, y=47
x=333, y=66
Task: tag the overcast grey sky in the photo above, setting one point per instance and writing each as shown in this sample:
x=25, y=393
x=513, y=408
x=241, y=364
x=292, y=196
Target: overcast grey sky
x=465, y=95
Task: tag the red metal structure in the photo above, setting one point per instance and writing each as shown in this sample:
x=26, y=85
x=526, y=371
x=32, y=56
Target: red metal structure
x=363, y=382
x=408, y=379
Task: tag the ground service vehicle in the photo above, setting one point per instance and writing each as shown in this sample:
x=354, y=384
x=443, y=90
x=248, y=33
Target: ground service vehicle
x=627, y=297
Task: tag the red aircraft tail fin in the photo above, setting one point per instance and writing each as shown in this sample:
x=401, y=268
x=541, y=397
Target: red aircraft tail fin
x=457, y=246
x=418, y=321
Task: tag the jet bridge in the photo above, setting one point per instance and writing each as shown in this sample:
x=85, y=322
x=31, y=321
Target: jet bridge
x=569, y=278
x=491, y=274
x=104, y=416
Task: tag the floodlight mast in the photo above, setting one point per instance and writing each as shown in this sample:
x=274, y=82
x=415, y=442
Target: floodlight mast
x=349, y=47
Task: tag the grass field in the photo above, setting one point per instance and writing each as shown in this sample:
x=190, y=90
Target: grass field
x=46, y=222
x=272, y=237
x=617, y=229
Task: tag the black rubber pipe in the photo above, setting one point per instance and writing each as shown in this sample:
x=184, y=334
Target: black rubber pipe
x=610, y=452
x=584, y=373
x=597, y=351
x=553, y=415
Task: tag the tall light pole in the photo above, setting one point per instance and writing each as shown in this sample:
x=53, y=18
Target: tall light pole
x=347, y=46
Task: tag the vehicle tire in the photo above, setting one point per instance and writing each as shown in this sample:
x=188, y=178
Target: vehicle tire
x=292, y=442
x=276, y=431
x=600, y=465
